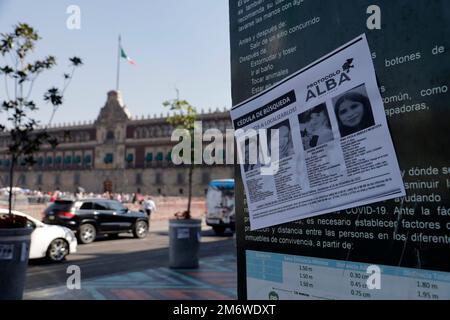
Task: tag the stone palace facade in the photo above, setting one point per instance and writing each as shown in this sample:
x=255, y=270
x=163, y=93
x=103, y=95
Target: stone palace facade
x=116, y=153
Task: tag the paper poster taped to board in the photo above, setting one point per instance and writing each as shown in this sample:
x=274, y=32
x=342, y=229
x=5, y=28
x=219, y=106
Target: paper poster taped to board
x=6, y=251
x=332, y=149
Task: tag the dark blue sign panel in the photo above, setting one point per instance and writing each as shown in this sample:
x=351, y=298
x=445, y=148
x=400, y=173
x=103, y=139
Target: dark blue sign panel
x=403, y=241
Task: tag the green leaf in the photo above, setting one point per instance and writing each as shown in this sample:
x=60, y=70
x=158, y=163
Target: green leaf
x=53, y=96
x=76, y=61
x=6, y=70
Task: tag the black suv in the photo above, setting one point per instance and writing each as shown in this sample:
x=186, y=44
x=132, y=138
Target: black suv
x=89, y=217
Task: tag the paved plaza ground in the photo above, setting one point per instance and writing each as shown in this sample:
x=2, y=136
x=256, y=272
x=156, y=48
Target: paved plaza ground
x=215, y=279
x=133, y=269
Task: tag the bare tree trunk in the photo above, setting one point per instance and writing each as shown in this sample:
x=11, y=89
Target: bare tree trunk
x=11, y=180
x=191, y=169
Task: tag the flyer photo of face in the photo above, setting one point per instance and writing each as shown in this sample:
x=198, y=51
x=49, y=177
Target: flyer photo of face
x=251, y=155
x=286, y=146
x=353, y=111
x=315, y=127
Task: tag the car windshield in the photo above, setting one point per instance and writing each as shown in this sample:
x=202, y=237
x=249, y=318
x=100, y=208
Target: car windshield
x=31, y=224
x=116, y=206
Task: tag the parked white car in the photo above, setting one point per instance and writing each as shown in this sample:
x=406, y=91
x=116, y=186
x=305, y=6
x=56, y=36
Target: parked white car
x=48, y=241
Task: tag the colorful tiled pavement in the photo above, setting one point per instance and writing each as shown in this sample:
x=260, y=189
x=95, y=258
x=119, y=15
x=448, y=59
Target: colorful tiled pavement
x=215, y=279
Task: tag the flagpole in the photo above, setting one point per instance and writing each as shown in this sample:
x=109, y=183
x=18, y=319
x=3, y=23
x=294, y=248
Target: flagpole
x=118, y=65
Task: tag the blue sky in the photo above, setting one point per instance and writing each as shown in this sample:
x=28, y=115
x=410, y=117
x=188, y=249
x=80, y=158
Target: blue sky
x=175, y=43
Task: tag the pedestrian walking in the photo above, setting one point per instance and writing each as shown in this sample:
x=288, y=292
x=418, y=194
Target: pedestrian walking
x=148, y=206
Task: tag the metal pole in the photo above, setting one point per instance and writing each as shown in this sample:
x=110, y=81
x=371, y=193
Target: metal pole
x=118, y=65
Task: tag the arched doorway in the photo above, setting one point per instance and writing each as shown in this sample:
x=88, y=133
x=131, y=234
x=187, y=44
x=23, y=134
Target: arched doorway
x=107, y=186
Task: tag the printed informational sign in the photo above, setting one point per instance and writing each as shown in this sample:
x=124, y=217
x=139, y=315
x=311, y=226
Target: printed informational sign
x=332, y=150
x=407, y=238
x=287, y=277
x=182, y=233
x=6, y=251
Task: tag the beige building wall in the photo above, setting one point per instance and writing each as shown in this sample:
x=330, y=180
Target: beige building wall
x=115, y=134
x=153, y=181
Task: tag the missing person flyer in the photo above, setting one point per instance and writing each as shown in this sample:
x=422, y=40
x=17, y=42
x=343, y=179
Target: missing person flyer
x=317, y=142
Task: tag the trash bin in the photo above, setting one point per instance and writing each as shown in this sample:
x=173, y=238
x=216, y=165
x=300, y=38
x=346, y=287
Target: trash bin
x=14, y=252
x=184, y=240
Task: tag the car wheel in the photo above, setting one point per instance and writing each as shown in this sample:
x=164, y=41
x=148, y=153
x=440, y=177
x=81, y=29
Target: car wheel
x=140, y=229
x=219, y=230
x=57, y=250
x=86, y=233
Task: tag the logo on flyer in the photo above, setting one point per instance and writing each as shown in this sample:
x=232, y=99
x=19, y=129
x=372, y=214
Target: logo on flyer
x=348, y=65
x=330, y=82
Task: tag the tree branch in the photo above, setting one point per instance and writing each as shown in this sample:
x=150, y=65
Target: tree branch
x=6, y=87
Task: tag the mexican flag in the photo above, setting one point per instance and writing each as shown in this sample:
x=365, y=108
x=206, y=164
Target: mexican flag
x=126, y=57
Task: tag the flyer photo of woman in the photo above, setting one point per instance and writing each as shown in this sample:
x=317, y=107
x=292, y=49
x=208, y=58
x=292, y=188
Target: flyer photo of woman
x=251, y=155
x=315, y=127
x=353, y=111
x=286, y=146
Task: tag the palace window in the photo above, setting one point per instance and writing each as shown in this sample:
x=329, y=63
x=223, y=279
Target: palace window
x=138, y=179
x=6, y=180
x=110, y=135
x=87, y=159
x=146, y=133
x=109, y=158
x=68, y=160
x=159, y=178
x=22, y=180
x=180, y=178
x=205, y=177
x=76, y=179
